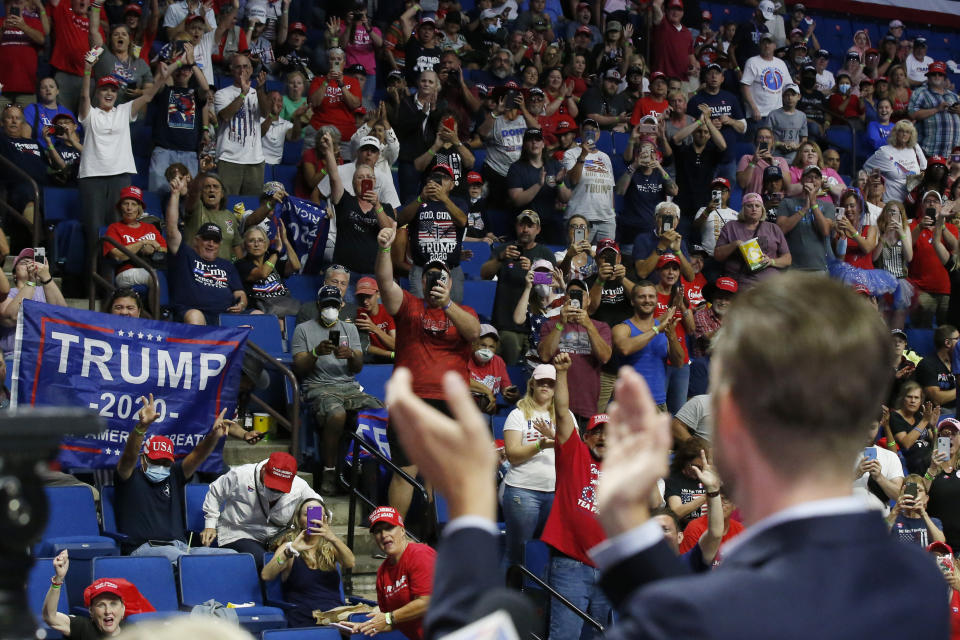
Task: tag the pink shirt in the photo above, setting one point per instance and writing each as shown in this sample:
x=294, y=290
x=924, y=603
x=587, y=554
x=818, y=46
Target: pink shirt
x=756, y=180
x=360, y=50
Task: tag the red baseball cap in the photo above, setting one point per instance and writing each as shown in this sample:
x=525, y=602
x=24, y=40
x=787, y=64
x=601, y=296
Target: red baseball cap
x=565, y=125
x=721, y=181
x=386, y=514
x=937, y=160
x=194, y=17
x=443, y=168
x=597, y=421
x=667, y=258
x=675, y=3
x=298, y=26
x=279, y=472
x=133, y=8
x=937, y=67
x=133, y=193
x=942, y=547
x=861, y=289
x=584, y=29
x=108, y=81
x=727, y=284
x=657, y=74
x=951, y=424
x=607, y=243
x=474, y=178
x=706, y=15
x=133, y=601
x=159, y=448
x=101, y=587
x=367, y=286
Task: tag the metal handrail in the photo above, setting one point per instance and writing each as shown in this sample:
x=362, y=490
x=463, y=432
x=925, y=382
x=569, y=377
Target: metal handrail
x=292, y=423
x=355, y=493
x=97, y=279
x=515, y=580
x=19, y=217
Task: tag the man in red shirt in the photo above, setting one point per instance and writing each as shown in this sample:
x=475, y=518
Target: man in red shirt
x=71, y=37
x=334, y=97
x=653, y=103
x=672, y=42
x=572, y=528
x=434, y=335
x=948, y=567
x=374, y=319
x=931, y=236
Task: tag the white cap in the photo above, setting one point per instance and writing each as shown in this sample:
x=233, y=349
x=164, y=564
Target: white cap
x=791, y=87
x=544, y=371
x=489, y=13
x=370, y=141
x=257, y=13
x=767, y=8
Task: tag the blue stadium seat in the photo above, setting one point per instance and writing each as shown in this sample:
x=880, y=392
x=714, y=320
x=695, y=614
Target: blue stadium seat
x=73, y=525
x=275, y=85
x=194, y=495
x=605, y=143
x=265, y=331
x=441, y=509
x=518, y=376
x=154, y=203
x=38, y=583
x=384, y=635
x=285, y=174
x=108, y=518
x=61, y=204
x=479, y=294
x=232, y=578
x=250, y=202
x=620, y=141
x=302, y=287
x=318, y=633
x=152, y=575
x=141, y=139
x=373, y=378
x=471, y=267
x=292, y=151
x=921, y=341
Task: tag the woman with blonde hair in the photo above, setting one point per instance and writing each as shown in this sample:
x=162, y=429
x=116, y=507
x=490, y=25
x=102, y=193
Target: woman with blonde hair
x=809, y=153
x=899, y=92
x=899, y=158
x=942, y=485
x=893, y=254
x=306, y=560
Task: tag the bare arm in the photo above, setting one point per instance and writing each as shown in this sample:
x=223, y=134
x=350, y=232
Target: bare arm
x=390, y=292
x=566, y=427
x=174, y=237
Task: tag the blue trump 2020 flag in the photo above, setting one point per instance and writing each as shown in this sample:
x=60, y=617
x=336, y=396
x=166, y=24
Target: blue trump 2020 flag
x=106, y=363
x=307, y=227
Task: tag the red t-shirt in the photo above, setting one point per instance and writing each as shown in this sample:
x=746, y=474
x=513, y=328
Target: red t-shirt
x=70, y=36
x=429, y=345
x=493, y=375
x=663, y=303
x=855, y=255
x=694, y=290
x=698, y=527
x=672, y=49
x=926, y=272
x=383, y=320
x=127, y=235
x=572, y=527
x=398, y=584
x=852, y=110
x=333, y=110
x=644, y=106
x=18, y=73
x=955, y=615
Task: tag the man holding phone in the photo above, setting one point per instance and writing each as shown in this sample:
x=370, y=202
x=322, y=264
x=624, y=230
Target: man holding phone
x=879, y=475
x=935, y=375
x=327, y=356
x=590, y=173
x=936, y=110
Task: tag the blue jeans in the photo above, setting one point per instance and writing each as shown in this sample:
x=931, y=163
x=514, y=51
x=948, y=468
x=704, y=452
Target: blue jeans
x=162, y=158
x=179, y=548
x=525, y=512
x=578, y=583
x=678, y=382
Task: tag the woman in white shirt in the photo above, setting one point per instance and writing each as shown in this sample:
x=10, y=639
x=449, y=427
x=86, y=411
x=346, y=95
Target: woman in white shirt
x=107, y=159
x=899, y=158
x=528, y=441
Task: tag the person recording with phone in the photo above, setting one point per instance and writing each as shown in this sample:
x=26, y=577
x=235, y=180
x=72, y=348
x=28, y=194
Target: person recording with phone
x=934, y=239
x=31, y=281
x=943, y=482
x=577, y=261
x=947, y=563
x=878, y=475
x=644, y=185
x=909, y=520
x=502, y=132
x=590, y=174
x=649, y=247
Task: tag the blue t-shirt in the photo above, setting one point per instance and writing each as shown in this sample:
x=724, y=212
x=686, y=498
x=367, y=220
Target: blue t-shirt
x=650, y=362
x=38, y=116
x=913, y=530
x=642, y=197
x=877, y=134
x=722, y=104
x=646, y=243
x=177, y=118
x=196, y=283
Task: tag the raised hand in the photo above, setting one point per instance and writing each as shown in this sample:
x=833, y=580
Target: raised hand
x=61, y=564
x=148, y=413
x=707, y=475
x=562, y=361
x=544, y=428
x=221, y=426
x=386, y=237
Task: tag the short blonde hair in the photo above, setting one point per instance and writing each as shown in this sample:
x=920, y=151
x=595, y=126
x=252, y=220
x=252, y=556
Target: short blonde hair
x=902, y=125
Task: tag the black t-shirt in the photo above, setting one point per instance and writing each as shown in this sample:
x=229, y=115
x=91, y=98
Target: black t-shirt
x=597, y=102
x=84, y=629
x=434, y=235
x=476, y=219
x=813, y=104
x=419, y=58
x=615, y=304
x=945, y=504
x=523, y=175
x=449, y=156
x=695, y=172
x=723, y=103
x=357, y=230
x=26, y=154
x=198, y=284
x=931, y=372
x=151, y=511
x=643, y=195
x=918, y=456
x=270, y=287
x=687, y=489
x=511, y=281
x=177, y=118
x=747, y=40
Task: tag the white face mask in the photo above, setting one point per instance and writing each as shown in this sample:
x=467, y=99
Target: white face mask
x=483, y=356
x=329, y=315
x=543, y=290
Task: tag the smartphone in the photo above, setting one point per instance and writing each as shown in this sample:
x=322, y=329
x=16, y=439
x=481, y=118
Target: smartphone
x=335, y=337
x=433, y=279
x=576, y=299
x=910, y=489
x=15, y=11
x=840, y=211
x=511, y=99
x=945, y=563
x=314, y=512
x=366, y=184
x=590, y=137
x=39, y=254
x=716, y=196
x=930, y=212
x=666, y=224
x=954, y=158
x=450, y=123
x=763, y=147
x=943, y=445
x=579, y=235
x=870, y=453
x=542, y=277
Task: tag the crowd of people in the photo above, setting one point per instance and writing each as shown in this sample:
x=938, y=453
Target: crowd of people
x=432, y=136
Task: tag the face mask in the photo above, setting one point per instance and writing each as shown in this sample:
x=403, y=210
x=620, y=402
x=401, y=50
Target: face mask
x=492, y=27
x=483, y=356
x=844, y=88
x=157, y=472
x=808, y=83
x=543, y=290
x=329, y=315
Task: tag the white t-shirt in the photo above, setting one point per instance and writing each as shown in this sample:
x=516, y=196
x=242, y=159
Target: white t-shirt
x=714, y=225
x=386, y=190
x=272, y=143
x=107, y=149
x=177, y=11
x=873, y=214
x=593, y=196
x=202, y=54
x=895, y=165
x=890, y=468
x=825, y=82
x=238, y=141
x=766, y=79
x=538, y=473
x=917, y=69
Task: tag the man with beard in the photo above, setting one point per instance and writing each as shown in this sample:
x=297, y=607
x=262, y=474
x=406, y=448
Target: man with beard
x=610, y=304
x=647, y=343
x=455, y=90
x=707, y=323
x=726, y=112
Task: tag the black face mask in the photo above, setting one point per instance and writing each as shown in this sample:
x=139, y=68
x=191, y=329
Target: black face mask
x=808, y=83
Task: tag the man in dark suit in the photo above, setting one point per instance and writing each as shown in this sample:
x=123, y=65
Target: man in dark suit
x=789, y=414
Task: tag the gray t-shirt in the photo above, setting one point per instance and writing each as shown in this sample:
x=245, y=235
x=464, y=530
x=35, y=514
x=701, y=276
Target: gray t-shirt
x=695, y=414
x=329, y=369
x=504, y=143
x=132, y=74
x=807, y=246
x=788, y=127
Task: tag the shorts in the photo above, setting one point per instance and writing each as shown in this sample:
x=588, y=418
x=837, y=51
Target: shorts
x=324, y=399
x=397, y=455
